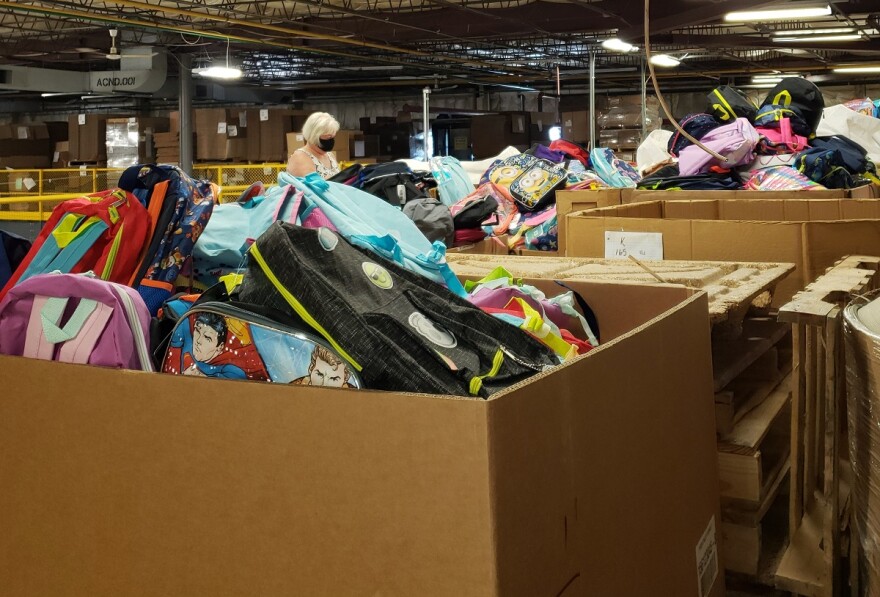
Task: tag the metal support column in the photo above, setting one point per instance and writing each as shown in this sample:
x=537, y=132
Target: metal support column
x=592, y=99
x=644, y=102
x=185, y=107
x=426, y=124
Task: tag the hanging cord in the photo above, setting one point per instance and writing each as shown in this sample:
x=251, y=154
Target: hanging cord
x=656, y=85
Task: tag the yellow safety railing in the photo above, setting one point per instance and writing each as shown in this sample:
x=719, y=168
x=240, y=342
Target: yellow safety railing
x=30, y=194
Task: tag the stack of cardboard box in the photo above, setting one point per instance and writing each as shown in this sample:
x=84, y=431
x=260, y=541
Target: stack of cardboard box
x=25, y=146
x=168, y=144
x=350, y=146
x=221, y=134
x=268, y=130
x=392, y=136
x=88, y=138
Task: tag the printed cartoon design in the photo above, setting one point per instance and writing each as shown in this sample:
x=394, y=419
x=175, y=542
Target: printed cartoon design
x=378, y=275
x=207, y=346
x=325, y=369
x=536, y=182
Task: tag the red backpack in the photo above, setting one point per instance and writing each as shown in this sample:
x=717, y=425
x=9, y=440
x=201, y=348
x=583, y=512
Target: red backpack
x=104, y=233
x=572, y=150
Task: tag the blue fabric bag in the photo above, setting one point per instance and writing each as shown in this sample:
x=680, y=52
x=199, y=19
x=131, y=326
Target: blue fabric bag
x=368, y=222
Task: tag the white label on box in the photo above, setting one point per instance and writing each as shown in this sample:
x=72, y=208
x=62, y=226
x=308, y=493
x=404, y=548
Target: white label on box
x=81, y=119
x=221, y=128
x=133, y=120
x=299, y=137
x=56, y=156
x=22, y=132
x=82, y=170
x=707, y=559
x=242, y=120
x=29, y=183
x=232, y=130
x=567, y=123
x=264, y=115
x=359, y=149
x=267, y=170
x=642, y=245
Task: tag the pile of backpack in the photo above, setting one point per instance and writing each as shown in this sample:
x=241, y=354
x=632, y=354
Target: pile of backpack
x=307, y=282
x=769, y=147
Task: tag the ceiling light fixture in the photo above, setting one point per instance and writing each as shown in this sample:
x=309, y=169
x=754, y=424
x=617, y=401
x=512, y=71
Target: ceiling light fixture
x=778, y=14
x=220, y=72
x=617, y=45
x=852, y=37
x=858, y=69
x=665, y=60
x=831, y=31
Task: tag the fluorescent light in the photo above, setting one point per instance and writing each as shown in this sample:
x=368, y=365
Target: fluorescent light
x=665, y=60
x=617, y=45
x=858, y=69
x=853, y=37
x=758, y=86
x=831, y=31
x=554, y=133
x=219, y=72
x=778, y=14
x=767, y=80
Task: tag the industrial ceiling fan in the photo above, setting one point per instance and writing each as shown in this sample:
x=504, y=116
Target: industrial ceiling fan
x=114, y=53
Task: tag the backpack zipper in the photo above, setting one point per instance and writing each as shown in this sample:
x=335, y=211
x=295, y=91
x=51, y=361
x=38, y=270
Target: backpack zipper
x=134, y=324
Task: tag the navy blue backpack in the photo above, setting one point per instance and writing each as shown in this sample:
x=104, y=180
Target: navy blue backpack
x=13, y=250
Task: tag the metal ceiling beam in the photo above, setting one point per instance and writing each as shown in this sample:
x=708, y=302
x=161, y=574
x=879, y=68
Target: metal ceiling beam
x=678, y=19
x=746, y=42
x=231, y=22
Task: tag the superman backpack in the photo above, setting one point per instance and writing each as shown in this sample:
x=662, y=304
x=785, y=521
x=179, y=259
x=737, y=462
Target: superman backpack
x=104, y=233
x=180, y=208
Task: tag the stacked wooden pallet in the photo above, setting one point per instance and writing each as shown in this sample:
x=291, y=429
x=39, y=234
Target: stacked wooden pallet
x=753, y=418
x=820, y=536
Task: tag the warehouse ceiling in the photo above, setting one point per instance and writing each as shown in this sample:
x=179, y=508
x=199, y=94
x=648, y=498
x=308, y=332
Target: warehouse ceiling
x=321, y=47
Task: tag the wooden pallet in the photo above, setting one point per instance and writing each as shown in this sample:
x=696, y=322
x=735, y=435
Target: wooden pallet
x=735, y=289
x=819, y=492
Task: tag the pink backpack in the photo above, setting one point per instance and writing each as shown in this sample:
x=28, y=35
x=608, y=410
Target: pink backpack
x=76, y=318
x=781, y=140
x=735, y=141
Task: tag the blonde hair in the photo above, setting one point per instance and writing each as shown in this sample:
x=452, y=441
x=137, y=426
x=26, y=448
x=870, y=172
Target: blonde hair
x=319, y=123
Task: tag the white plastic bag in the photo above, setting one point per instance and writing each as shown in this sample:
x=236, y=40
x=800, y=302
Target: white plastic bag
x=653, y=150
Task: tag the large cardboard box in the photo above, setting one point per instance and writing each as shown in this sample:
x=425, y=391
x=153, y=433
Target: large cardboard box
x=587, y=480
x=811, y=233
x=214, y=128
x=641, y=196
x=576, y=126
x=88, y=137
x=571, y=201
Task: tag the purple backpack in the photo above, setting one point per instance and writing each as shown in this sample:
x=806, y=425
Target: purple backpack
x=735, y=141
x=76, y=318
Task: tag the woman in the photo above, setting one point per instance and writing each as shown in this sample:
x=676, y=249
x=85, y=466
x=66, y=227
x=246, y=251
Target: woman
x=319, y=133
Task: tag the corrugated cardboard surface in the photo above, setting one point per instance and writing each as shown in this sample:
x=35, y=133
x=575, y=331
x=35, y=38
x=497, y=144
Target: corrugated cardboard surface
x=571, y=201
x=866, y=192
x=812, y=233
x=88, y=141
x=585, y=481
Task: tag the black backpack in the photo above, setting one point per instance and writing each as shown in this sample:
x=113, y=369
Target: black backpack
x=398, y=330
x=727, y=104
x=668, y=179
x=394, y=182
x=801, y=96
x=13, y=250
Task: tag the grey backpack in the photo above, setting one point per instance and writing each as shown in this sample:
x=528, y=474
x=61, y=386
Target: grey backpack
x=433, y=218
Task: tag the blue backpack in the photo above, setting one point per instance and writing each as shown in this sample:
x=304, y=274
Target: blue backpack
x=368, y=222
x=613, y=171
x=453, y=183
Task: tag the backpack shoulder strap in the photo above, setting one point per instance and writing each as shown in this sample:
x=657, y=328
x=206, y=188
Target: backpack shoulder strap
x=78, y=336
